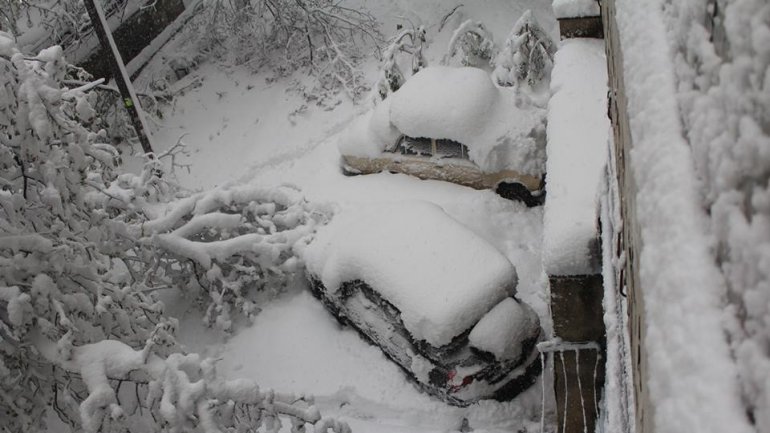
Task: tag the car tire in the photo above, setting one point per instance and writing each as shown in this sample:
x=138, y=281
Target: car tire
x=518, y=192
x=349, y=171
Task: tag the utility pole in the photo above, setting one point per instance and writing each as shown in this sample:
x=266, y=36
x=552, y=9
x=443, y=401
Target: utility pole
x=130, y=101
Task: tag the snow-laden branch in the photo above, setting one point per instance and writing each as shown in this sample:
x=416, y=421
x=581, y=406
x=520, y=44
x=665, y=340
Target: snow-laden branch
x=231, y=243
x=182, y=390
x=409, y=40
x=526, y=60
x=323, y=36
x=474, y=41
x=81, y=328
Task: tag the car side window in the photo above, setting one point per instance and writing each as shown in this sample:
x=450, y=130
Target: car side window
x=441, y=148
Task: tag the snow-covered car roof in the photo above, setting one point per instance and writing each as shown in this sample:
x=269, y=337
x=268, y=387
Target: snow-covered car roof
x=438, y=273
x=501, y=128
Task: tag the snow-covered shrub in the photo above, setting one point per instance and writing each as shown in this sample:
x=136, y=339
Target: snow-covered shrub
x=81, y=331
x=231, y=247
x=64, y=22
x=408, y=40
x=527, y=58
x=287, y=35
x=63, y=277
x=474, y=42
x=723, y=73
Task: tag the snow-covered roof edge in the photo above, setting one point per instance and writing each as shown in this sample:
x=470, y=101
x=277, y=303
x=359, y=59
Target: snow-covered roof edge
x=691, y=375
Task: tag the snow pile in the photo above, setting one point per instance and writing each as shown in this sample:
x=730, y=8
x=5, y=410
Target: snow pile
x=369, y=134
x=724, y=96
x=439, y=274
x=576, y=8
x=503, y=330
x=578, y=130
x=501, y=128
x=445, y=102
x=691, y=375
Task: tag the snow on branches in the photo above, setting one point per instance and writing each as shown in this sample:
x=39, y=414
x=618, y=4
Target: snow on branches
x=60, y=277
x=322, y=35
x=181, y=392
x=231, y=245
x=527, y=58
x=82, y=333
x=408, y=40
x=475, y=43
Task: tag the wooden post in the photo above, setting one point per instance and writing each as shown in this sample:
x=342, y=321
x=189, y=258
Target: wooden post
x=578, y=361
x=130, y=101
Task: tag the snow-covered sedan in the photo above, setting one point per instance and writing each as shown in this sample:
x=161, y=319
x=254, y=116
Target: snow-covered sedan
x=435, y=297
x=456, y=125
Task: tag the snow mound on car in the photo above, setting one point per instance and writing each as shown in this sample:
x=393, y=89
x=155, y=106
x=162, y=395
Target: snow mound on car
x=501, y=128
x=503, y=330
x=369, y=134
x=444, y=102
x=439, y=274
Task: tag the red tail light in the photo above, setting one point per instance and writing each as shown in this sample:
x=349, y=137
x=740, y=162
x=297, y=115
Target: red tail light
x=454, y=387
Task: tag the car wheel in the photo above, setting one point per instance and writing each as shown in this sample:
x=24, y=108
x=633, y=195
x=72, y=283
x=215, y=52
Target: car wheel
x=350, y=171
x=517, y=191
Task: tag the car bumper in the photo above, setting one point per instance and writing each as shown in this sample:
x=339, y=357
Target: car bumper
x=456, y=171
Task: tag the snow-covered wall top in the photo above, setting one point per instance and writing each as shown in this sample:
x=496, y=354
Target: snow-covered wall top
x=502, y=129
x=578, y=130
x=439, y=274
x=575, y=8
x=691, y=376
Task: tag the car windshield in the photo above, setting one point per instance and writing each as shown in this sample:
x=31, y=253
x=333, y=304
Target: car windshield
x=441, y=148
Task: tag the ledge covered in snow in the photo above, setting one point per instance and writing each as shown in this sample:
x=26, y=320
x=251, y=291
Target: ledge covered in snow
x=575, y=8
x=578, y=133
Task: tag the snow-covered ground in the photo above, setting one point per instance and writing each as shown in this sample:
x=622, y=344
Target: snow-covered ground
x=240, y=128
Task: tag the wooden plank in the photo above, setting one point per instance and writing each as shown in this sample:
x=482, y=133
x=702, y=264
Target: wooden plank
x=629, y=245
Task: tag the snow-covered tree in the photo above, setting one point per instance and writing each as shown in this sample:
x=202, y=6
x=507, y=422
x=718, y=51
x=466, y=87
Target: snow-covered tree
x=322, y=35
x=82, y=333
x=527, y=58
x=474, y=42
x=408, y=40
x=64, y=23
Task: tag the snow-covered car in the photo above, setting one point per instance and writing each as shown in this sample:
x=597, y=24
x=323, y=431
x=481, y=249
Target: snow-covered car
x=435, y=297
x=456, y=125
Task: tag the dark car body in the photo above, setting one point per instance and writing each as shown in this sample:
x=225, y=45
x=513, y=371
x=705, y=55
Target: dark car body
x=456, y=372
